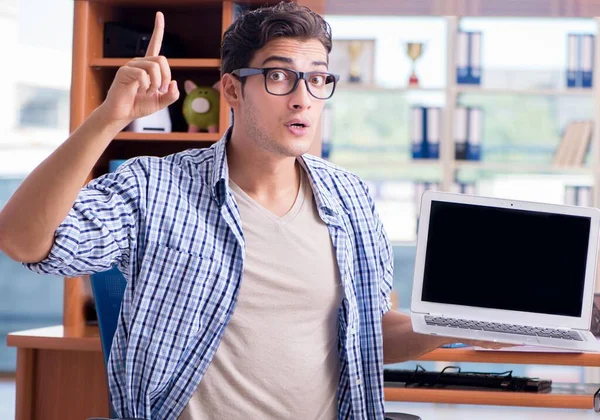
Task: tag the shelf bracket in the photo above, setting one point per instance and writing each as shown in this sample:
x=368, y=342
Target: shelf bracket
x=597, y=401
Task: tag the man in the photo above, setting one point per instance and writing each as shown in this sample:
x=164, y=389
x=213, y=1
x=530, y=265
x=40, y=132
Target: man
x=258, y=276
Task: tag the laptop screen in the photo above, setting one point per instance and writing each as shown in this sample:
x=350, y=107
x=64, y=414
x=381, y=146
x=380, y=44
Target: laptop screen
x=506, y=259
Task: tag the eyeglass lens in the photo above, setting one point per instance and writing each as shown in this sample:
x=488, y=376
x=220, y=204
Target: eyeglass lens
x=282, y=82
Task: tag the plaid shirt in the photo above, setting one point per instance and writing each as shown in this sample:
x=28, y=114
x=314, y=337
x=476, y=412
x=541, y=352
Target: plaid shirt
x=174, y=230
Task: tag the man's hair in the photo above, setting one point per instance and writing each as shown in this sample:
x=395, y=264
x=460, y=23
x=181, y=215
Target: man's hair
x=255, y=28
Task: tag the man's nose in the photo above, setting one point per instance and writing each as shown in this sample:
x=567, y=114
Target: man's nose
x=300, y=98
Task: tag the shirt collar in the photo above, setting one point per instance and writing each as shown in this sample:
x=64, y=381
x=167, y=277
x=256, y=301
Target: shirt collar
x=327, y=203
x=220, y=170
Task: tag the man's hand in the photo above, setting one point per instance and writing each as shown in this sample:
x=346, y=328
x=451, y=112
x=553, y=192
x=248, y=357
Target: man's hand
x=143, y=86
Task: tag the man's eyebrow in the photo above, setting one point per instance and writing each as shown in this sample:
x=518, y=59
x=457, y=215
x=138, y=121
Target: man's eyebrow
x=288, y=60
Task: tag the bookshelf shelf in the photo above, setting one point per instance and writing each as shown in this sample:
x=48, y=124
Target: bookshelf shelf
x=464, y=89
x=357, y=87
x=521, y=167
x=175, y=63
x=132, y=136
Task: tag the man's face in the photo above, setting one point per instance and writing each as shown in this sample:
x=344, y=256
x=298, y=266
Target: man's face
x=269, y=121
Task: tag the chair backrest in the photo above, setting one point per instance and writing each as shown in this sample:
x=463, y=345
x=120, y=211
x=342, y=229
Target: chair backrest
x=108, y=288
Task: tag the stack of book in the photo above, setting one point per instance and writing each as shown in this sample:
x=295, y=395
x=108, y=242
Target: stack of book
x=574, y=144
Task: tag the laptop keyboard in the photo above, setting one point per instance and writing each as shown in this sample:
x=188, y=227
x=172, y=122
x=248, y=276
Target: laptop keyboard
x=502, y=328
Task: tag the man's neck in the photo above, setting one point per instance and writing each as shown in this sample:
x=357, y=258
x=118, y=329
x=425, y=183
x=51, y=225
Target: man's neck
x=272, y=181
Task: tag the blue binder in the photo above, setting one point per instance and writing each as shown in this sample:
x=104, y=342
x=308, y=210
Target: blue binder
x=587, y=60
x=573, y=54
x=433, y=129
x=468, y=66
x=474, y=133
x=418, y=124
x=326, y=132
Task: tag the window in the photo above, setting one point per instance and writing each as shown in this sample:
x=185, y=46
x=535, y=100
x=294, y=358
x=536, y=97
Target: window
x=34, y=120
x=43, y=107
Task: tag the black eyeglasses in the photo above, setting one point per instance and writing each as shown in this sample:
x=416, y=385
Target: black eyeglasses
x=281, y=81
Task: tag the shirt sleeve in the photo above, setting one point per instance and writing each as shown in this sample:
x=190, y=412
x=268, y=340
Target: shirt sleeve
x=385, y=257
x=101, y=227
x=386, y=261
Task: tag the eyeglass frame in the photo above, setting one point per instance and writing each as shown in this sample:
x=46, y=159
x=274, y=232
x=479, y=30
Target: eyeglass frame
x=252, y=71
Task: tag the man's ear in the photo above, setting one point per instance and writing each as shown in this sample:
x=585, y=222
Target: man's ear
x=232, y=89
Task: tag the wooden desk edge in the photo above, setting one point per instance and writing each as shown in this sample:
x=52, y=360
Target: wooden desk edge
x=516, y=357
x=57, y=338
x=482, y=397
x=87, y=338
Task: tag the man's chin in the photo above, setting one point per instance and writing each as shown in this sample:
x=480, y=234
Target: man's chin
x=296, y=146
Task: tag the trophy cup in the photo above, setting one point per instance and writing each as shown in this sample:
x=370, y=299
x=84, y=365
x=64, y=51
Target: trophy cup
x=414, y=50
x=354, y=50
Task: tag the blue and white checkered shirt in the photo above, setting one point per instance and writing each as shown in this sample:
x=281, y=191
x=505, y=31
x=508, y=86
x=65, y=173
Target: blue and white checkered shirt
x=173, y=227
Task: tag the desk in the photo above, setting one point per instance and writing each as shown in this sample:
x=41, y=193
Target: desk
x=561, y=396
x=61, y=375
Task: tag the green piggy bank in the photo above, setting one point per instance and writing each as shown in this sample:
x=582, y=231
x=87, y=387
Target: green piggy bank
x=201, y=107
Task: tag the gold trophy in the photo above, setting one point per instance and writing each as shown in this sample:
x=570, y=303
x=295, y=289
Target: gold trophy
x=354, y=50
x=414, y=50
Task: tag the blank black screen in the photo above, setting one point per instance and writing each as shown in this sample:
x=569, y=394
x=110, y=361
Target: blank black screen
x=505, y=259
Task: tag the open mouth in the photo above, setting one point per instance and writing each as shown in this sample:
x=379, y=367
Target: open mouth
x=297, y=125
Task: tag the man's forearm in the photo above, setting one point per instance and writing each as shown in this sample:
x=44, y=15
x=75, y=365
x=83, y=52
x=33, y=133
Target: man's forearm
x=401, y=343
x=42, y=201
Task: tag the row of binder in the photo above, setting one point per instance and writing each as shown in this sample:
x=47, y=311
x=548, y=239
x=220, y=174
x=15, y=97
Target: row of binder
x=468, y=57
x=456, y=187
x=426, y=129
x=578, y=195
x=580, y=60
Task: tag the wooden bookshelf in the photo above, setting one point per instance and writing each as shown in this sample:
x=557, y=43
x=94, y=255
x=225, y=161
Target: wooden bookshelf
x=199, y=137
x=174, y=63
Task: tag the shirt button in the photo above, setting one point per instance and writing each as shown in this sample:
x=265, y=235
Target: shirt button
x=358, y=381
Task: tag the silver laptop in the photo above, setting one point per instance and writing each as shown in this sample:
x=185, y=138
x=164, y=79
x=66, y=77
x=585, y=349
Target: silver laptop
x=505, y=271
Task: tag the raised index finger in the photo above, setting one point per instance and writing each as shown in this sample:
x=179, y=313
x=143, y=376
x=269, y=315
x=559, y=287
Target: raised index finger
x=157, y=36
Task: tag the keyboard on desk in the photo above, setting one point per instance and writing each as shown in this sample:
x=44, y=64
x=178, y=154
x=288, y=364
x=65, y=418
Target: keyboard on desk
x=501, y=328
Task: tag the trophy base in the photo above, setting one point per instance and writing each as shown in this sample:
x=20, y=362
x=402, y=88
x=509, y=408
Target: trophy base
x=413, y=81
x=354, y=79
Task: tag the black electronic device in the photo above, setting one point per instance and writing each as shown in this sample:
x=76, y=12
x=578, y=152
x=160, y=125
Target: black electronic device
x=501, y=381
x=124, y=41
